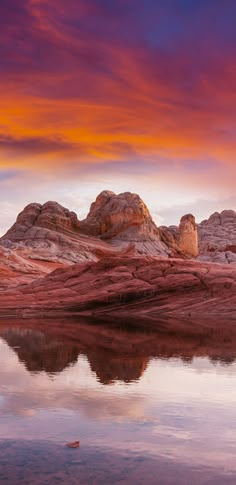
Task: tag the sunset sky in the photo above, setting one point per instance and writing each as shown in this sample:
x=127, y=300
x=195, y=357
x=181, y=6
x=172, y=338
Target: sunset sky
x=125, y=95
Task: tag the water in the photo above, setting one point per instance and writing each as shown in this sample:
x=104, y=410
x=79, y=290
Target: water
x=147, y=407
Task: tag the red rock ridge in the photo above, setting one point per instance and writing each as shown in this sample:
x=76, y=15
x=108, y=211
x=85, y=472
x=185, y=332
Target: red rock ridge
x=129, y=285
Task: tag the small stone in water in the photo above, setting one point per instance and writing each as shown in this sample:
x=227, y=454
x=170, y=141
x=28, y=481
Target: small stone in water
x=74, y=444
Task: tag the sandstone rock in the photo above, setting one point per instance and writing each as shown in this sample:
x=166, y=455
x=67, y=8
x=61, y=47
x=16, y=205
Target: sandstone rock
x=217, y=237
x=50, y=215
x=123, y=219
x=74, y=444
x=50, y=233
x=138, y=285
x=115, y=223
x=113, y=215
x=48, y=236
x=188, y=235
x=182, y=240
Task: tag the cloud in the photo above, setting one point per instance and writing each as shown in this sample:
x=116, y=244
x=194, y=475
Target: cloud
x=6, y=175
x=72, y=75
x=32, y=145
x=135, y=95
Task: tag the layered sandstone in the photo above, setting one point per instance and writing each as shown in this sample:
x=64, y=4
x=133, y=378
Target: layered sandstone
x=115, y=224
x=50, y=233
x=18, y=266
x=119, y=216
x=217, y=237
x=183, y=239
x=138, y=285
x=47, y=236
x=122, y=219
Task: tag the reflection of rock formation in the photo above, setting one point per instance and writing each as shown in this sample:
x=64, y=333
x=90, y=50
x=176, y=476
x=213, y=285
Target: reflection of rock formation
x=40, y=352
x=118, y=350
x=130, y=286
x=110, y=368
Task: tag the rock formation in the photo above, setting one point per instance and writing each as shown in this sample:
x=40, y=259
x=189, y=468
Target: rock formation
x=119, y=216
x=188, y=236
x=125, y=217
x=48, y=237
x=50, y=233
x=19, y=265
x=115, y=223
x=183, y=240
x=217, y=237
x=122, y=219
x=129, y=285
x=51, y=216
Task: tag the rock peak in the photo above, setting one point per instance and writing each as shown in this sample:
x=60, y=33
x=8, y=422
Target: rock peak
x=112, y=214
x=50, y=215
x=188, y=235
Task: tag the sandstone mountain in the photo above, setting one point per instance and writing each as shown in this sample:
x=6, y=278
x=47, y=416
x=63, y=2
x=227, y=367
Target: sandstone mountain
x=117, y=259
x=50, y=235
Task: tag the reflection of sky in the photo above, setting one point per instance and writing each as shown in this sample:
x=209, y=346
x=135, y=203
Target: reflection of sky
x=185, y=412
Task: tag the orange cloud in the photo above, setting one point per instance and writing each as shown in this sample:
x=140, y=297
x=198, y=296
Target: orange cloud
x=72, y=95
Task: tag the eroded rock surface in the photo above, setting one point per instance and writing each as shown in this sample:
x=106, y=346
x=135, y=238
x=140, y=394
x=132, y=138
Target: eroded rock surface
x=183, y=239
x=50, y=233
x=138, y=285
x=217, y=237
x=115, y=224
x=113, y=215
x=49, y=236
x=34, y=217
x=188, y=235
x=125, y=218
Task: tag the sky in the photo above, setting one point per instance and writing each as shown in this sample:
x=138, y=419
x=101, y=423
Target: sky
x=122, y=95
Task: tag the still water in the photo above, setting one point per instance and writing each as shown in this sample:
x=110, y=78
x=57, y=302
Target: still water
x=148, y=408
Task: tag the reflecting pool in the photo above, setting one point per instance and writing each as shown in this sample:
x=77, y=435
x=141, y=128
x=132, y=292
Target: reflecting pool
x=148, y=407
